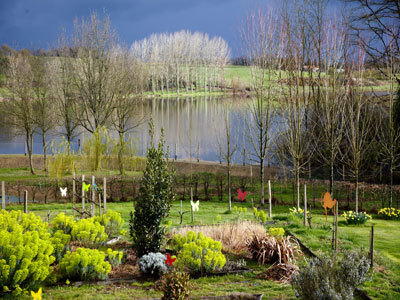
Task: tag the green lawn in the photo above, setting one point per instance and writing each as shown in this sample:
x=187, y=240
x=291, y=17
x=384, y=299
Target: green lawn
x=385, y=283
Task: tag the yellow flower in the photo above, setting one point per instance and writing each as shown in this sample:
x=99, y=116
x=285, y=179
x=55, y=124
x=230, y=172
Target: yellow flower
x=38, y=295
x=67, y=282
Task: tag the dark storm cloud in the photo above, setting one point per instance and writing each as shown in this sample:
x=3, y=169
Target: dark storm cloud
x=36, y=23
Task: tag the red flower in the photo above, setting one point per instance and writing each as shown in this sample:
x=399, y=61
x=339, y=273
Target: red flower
x=169, y=260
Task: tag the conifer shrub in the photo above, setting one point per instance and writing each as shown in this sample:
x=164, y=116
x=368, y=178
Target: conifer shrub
x=26, y=252
x=154, y=201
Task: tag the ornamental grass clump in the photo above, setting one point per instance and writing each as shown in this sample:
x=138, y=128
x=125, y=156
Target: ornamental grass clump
x=198, y=253
x=270, y=249
x=389, y=213
x=153, y=264
x=352, y=217
x=331, y=277
x=26, y=253
x=232, y=236
x=85, y=264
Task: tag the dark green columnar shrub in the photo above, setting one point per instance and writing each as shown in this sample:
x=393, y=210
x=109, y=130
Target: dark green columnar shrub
x=26, y=252
x=331, y=278
x=154, y=200
x=175, y=286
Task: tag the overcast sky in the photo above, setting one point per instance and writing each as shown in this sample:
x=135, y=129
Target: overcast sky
x=36, y=23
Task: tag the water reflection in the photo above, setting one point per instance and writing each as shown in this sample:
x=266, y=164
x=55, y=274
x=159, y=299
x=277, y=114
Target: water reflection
x=194, y=127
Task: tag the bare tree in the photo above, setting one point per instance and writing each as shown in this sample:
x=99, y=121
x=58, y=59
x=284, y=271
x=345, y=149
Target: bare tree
x=262, y=39
x=43, y=105
x=359, y=131
x=125, y=116
x=63, y=90
x=228, y=145
x=18, y=109
x=94, y=77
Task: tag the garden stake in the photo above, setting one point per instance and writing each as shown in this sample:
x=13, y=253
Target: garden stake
x=73, y=188
x=305, y=205
x=93, y=196
x=105, y=195
x=191, y=200
x=270, y=199
x=336, y=224
x=83, y=195
x=26, y=202
x=3, y=195
x=371, y=247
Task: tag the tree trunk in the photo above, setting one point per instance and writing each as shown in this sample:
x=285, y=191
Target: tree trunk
x=229, y=186
x=391, y=187
x=44, y=151
x=29, y=145
x=356, y=187
x=262, y=181
x=298, y=187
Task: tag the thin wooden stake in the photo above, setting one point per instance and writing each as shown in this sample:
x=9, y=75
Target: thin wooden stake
x=3, y=195
x=83, y=195
x=105, y=195
x=191, y=200
x=305, y=205
x=73, y=188
x=26, y=202
x=93, y=197
x=269, y=199
x=371, y=247
x=336, y=223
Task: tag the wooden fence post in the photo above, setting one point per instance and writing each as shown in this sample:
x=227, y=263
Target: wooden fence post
x=371, y=247
x=93, y=197
x=336, y=223
x=26, y=202
x=305, y=205
x=105, y=195
x=3, y=195
x=269, y=199
x=191, y=200
x=73, y=188
x=83, y=195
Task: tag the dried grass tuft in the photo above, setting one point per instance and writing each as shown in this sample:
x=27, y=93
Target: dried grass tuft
x=232, y=236
x=280, y=272
x=270, y=249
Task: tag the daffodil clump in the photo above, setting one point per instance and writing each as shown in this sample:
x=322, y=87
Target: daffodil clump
x=390, y=213
x=85, y=264
x=352, y=217
x=112, y=222
x=26, y=252
x=259, y=215
x=296, y=212
x=277, y=232
x=198, y=253
x=114, y=257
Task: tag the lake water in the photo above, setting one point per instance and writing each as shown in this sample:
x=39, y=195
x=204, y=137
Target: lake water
x=191, y=125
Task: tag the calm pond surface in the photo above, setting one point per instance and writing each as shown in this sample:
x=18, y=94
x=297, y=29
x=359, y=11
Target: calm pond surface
x=191, y=125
